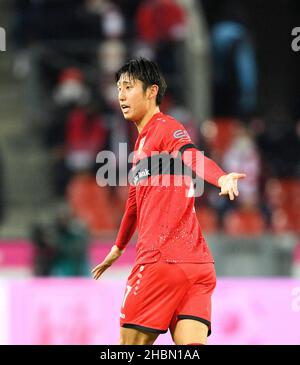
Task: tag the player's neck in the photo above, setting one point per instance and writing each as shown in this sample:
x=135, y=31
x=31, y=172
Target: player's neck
x=140, y=125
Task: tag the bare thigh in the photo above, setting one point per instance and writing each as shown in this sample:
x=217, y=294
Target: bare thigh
x=131, y=336
x=189, y=331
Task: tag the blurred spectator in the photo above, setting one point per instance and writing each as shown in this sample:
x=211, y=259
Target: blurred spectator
x=219, y=134
x=75, y=141
x=61, y=248
x=235, y=70
x=71, y=241
x=69, y=90
x=242, y=155
x=161, y=27
x=44, y=250
x=111, y=56
x=232, y=144
x=71, y=87
x=76, y=131
x=160, y=20
x=110, y=16
x=85, y=136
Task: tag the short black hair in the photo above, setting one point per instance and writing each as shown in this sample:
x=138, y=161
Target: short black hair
x=146, y=71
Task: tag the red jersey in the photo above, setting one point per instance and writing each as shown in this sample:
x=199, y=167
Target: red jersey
x=159, y=204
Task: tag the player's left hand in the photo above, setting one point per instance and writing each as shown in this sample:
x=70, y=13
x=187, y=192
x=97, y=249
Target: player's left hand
x=228, y=184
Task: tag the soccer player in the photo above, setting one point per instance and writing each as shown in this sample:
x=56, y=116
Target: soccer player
x=171, y=283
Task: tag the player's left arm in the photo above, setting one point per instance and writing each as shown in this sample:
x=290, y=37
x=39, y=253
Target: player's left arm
x=208, y=170
x=175, y=139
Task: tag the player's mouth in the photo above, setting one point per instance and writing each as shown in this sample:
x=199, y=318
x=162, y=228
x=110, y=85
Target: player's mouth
x=125, y=108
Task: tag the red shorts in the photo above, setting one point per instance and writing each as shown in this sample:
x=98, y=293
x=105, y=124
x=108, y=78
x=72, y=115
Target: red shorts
x=158, y=295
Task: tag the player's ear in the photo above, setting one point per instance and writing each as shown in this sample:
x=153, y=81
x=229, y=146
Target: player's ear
x=153, y=91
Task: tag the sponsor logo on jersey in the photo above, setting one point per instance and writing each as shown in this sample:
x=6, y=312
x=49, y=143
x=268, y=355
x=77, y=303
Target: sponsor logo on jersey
x=181, y=133
x=140, y=174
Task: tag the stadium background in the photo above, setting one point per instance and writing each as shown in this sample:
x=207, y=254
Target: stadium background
x=233, y=81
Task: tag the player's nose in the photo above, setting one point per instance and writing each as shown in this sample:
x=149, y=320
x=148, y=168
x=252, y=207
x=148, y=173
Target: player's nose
x=121, y=96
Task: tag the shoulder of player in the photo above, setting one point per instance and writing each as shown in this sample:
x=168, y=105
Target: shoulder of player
x=168, y=123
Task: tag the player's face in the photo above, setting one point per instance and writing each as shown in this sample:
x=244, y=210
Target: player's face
x=132, y=98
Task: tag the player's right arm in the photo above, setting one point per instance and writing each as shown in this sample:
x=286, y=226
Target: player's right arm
x=127, y=228
x=113, y=255
x=129, y=221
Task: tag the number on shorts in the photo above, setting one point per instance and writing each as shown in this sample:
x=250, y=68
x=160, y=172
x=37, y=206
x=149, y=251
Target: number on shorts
x=128, y=288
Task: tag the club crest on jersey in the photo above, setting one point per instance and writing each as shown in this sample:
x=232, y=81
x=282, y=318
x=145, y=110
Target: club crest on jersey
x=180, y=133
x=141, y=145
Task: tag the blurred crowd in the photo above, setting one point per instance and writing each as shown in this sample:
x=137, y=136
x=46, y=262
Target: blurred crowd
x=70, y=50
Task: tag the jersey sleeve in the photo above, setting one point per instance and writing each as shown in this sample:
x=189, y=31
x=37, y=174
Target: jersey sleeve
x=129, y=220
x=175, y=139
x=202, y=166
x=173, y=136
